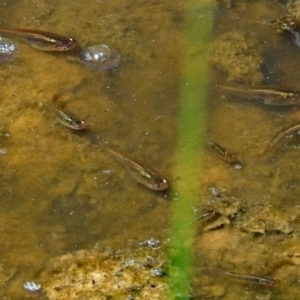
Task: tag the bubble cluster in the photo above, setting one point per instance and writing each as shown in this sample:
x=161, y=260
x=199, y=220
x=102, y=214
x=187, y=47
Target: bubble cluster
x=100, y=57
x=7, y=49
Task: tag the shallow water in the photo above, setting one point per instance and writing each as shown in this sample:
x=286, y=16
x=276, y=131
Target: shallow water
x=60, y=192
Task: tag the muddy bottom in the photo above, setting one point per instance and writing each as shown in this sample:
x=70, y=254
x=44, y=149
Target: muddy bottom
x=62, y=196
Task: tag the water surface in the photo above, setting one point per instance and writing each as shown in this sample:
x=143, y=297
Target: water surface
x=61, y=193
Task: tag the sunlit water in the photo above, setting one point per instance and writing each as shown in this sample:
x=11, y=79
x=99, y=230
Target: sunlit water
x=61, y=193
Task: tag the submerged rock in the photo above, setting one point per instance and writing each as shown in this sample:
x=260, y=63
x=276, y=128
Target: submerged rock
x=293, y=7
x=266, y=218
x=239, y=56
x=106, y=275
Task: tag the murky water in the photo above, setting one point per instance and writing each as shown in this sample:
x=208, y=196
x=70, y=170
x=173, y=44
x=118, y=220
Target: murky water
x=61, y=193
x=262, y=232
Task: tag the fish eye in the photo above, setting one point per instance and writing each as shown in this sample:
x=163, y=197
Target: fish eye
x=160, y=185
x=80, y=124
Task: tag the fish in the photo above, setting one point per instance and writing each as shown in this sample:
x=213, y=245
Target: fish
x=144, y=175
x=225, y=155
x=253, y=278
x=210, y=213
x=284, y=137
x=64, y=118
x=272, y=97
x=41, y=40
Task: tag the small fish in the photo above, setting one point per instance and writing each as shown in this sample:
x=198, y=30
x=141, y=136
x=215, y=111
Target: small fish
x=143, y=175
x=253, y=278
x=274, y=97
x=41, y=40
x=282, y=138
x=210, y=213
x=65, y=119
x=225, y=155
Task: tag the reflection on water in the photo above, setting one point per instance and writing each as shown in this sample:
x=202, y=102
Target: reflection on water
x=60, y=192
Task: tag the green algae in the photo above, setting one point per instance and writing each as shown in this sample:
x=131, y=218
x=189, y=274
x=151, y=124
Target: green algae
x=70, y=196
x=193, y=96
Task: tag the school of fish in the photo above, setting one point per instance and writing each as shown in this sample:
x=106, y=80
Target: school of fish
x=141, y=173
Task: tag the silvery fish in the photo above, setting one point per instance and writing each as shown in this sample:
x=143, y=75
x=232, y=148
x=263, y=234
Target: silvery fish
x=66, y=119
x=41, y=40
x=284, y=137
x=274, y=97
x=144, y=175
x=210, y=213
x=253, y=278
x=225, y=155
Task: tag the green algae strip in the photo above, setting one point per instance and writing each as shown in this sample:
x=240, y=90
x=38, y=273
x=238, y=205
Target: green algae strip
x=194, y=84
